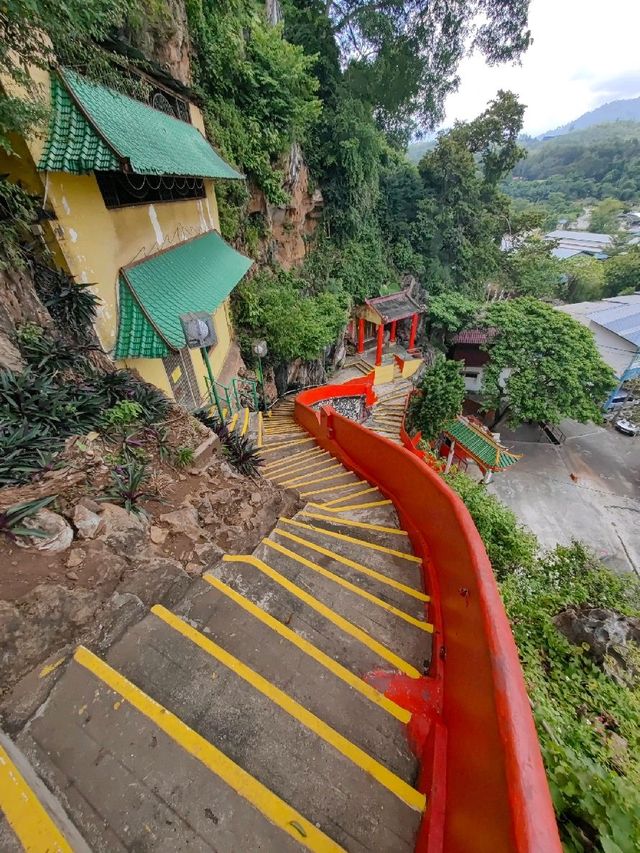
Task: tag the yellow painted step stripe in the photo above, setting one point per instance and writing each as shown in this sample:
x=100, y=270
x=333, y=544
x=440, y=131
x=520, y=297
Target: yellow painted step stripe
x=339, y=621
x=233, y=422
x=294, y=430
x=366, y=491
x=352, y=507
x=287, y=466
x=332, y=576
x=365, y=570
x=339, y=474
x=343, y=536
x=331, y=489
x=260, y=429
x=349, y=523
x=314, y=652
x=245, y=423
x=272, y=807
x=294, y=457
x=26, y=815
x=341, y=744
x=286, y=445
x=316, y=468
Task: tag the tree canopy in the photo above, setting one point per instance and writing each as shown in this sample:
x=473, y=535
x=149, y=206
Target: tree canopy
x=402, y=57
x=544, y=366
x=622, y=273
x=438, y=400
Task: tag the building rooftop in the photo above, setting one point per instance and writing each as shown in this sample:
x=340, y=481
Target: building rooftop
x=474, y=336
x=623, y=320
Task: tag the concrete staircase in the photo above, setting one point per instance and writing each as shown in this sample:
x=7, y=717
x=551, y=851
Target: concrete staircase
x=243, y=718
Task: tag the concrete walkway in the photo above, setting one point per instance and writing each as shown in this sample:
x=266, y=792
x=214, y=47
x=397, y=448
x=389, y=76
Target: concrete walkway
x=242, y=719
x=586, y=489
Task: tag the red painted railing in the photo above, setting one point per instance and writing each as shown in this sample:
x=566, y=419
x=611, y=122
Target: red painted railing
x=472, y=726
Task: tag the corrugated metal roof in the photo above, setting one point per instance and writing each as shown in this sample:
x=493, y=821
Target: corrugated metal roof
x=580, y=237
x=480, y=444
x=623, y=320
x=197, y=275
x=111, y=131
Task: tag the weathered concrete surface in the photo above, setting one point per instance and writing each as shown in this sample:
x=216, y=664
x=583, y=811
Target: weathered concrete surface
x=587, y=489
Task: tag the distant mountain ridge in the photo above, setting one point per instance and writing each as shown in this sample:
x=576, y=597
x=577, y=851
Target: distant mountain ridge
x=622, y=110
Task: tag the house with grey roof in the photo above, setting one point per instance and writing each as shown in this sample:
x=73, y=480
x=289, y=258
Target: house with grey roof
x=615, y=323
x=570, y=243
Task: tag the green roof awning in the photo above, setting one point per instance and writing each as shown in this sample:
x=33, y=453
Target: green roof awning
x=93, y=128
x=479, y=444
x=197, y=275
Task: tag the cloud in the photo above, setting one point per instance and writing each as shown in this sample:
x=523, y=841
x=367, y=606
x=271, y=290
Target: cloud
x=583, y=55
x=626, y=85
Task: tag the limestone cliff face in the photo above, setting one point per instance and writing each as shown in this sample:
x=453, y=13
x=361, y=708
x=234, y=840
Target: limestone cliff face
x=164, y=38
x=291, y=227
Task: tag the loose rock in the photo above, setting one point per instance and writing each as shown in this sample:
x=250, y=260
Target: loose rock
x=58, y=533
x=87, y=523
x=158, y=534
x=76, y=558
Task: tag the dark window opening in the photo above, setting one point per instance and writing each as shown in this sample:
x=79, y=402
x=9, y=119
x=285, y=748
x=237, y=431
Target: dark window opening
x=121, y=190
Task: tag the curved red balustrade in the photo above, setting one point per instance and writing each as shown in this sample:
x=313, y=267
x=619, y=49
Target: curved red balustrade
x=472, y=727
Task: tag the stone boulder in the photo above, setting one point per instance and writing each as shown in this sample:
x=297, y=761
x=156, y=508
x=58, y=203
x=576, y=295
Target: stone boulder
x=58, y=533
x=606, y=632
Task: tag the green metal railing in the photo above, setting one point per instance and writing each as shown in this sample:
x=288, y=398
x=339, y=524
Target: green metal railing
x=229, y=399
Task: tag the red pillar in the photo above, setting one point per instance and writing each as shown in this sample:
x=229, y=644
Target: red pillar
x=380, y=343
x=361, y=334
x=414, y=329
x=392, y=336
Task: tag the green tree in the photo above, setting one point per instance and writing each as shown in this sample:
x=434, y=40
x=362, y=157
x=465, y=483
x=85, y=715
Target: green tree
x=530, y=269
x=402, y=57
x=449, y=312
x=604, y=216
x=622, y=273
x=584, y=279
x=544, y=366
x=294, y=323
x=439, y=398
x=258, y=90
x=463, y=216
x=75, y=28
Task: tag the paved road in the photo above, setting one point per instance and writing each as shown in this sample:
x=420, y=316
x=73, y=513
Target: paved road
x=599, y=504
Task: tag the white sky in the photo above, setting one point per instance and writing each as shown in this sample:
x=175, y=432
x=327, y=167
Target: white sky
x=585, y=53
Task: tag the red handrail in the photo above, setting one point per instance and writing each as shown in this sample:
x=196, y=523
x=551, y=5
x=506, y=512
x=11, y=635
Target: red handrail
x=472, y=725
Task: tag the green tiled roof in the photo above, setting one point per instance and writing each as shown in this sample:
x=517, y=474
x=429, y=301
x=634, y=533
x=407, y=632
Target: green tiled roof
x=481, y=446
x=194, y=276
x=72, y=144
x=104, y=129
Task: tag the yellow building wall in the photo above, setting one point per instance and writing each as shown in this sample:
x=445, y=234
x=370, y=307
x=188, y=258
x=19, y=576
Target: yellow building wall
x=93, y=243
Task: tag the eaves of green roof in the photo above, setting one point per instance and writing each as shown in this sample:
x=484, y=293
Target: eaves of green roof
x=95, y=128
x=483, y=448
x=197, y=275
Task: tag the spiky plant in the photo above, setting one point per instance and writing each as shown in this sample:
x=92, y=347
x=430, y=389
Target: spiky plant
x=11, y=518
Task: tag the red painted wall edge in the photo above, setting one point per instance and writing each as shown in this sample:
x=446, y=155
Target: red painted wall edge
x=480, y=759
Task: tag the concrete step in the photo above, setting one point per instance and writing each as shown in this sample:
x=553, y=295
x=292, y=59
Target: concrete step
x=410, y=642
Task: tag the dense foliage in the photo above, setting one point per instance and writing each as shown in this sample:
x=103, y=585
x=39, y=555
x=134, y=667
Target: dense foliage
x=544, y=366
x=600, y=162
x=438, y=399
x=295, y=322
x=587, y=720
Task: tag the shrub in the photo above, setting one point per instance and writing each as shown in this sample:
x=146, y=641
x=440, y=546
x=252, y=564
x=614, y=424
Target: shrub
x=242, y=454
x=577, y=706
x=128, y=486
x=184, y=457
x=71, y=304
x=26, y=451
x=121, y=414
